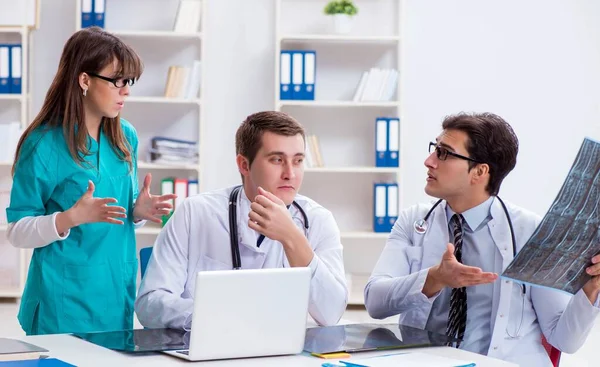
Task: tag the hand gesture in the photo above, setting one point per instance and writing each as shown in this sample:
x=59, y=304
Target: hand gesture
x=89, y=209
x=456, y=275
x=450, y=273
x=151, y=207
x=269, y=216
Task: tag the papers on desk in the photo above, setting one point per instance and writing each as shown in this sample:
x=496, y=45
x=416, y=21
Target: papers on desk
x=415, y=359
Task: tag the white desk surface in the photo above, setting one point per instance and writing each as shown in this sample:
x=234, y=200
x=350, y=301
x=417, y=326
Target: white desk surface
x=81, y=353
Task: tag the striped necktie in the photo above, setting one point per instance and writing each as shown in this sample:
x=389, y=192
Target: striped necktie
x=457, y=318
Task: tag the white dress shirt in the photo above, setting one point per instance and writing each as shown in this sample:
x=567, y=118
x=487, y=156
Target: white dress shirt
x=517, y=321
x=196, y=238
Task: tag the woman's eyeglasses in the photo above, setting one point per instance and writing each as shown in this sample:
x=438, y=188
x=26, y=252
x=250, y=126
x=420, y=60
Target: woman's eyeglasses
x=119, y=83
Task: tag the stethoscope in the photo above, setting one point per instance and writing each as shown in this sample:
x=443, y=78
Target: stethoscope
x=421, y=227
x=233, y=233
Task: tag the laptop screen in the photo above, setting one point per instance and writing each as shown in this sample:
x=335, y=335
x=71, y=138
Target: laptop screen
x=139, y=340
x=363, y=337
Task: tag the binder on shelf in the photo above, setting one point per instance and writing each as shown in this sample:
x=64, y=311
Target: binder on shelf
x=5, y=69
x=308, y=87
x=98, y=15
x=16, y=64
x=381, y=142
x=167, y=186
x=393, y=204
x=181, y=190
x=87, y=14
x=193, y=188
x=379, y=207
x=393, y=142
x=297, y=74
x=285, y=75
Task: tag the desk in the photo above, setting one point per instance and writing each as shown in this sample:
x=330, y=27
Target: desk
x=81, y=353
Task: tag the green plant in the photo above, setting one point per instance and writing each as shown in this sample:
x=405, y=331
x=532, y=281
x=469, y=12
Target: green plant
x=340, y=7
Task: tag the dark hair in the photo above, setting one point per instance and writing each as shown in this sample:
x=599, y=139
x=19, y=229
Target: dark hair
x=87, y=51
x=248, y=138
x=491, y=140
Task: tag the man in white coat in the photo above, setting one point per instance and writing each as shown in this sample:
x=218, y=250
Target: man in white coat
x=276, y=228
x=453, y=288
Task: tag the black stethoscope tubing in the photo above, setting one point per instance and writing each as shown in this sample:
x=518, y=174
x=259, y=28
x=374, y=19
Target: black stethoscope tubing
x=236, y=260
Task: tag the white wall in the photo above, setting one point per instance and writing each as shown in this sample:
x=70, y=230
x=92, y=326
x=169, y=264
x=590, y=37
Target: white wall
x=536, y=63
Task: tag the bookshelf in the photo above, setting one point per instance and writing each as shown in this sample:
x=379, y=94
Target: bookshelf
x=147, y=108
x=13, y=108
x=345, y=127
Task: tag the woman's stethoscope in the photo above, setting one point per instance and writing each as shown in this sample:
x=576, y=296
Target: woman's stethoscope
x=233, y=233
x=421, y=227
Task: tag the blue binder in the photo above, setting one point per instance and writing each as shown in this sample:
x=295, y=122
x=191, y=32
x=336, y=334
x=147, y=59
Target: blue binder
x=16, y=69
x=310, y=74
x=393, y=151
x=380, y=208
x=5, y=81
x=297, y=74
x=285, y=75
x=87, y=13
x=381, y=142
x=99, y=7
x=392, y=205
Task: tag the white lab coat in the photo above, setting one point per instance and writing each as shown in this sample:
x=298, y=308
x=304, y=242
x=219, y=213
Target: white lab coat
x=196, y=238
x=398, y=278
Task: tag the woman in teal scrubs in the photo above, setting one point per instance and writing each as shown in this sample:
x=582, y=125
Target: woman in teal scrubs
x=75, y=195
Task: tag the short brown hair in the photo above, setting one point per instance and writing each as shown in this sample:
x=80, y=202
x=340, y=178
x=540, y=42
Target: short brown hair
x=491, y=141
x=248, y=138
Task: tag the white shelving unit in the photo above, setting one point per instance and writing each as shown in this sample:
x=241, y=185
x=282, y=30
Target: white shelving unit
x=345, y=128
x=13, y=107
x=146, y=108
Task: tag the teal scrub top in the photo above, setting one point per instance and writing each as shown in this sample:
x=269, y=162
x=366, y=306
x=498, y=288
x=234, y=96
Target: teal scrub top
x=86, y=282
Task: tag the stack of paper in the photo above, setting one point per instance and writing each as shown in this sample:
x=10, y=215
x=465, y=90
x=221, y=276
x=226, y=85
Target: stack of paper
x=172, y=151
x=414, y=359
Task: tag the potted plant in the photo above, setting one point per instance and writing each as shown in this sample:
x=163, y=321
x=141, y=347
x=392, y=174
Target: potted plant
x=342, y=12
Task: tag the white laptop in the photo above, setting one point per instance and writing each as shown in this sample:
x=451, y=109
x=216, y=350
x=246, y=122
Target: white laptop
x=248, y=313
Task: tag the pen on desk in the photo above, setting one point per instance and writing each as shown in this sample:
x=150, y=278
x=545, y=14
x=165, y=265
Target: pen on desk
x=329, y=364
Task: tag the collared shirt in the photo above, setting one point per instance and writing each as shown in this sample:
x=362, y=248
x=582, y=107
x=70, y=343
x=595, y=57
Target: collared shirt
x=478, y=250
x=196, y=238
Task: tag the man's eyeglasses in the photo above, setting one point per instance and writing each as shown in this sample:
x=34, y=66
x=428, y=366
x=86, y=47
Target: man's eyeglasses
x=119, y=83
x=443, y=153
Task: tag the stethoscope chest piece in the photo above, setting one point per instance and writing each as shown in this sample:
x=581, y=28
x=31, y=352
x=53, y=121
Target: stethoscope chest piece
x=421, y=226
